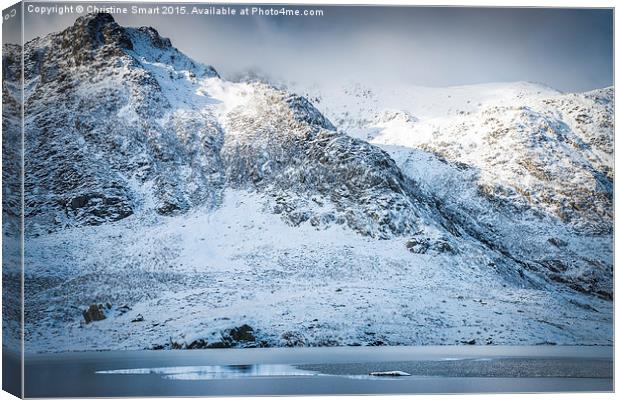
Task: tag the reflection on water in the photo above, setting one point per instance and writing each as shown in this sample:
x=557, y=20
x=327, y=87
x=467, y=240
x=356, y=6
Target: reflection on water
x=204, y=372
x=320, y=371
x=207, y=372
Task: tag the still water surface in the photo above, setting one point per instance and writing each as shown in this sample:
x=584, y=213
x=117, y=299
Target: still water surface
x=221, y=372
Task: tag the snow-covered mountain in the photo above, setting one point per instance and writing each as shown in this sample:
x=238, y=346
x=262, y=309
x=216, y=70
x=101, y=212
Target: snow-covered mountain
x=524, y=168
x=189, y=211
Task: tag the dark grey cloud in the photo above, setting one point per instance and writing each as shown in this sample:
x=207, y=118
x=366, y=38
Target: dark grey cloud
x=569, y=49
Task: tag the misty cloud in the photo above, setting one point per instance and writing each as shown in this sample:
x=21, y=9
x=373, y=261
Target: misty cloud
x=568, y=49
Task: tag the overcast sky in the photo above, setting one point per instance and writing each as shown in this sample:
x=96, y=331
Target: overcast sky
x=568, y=49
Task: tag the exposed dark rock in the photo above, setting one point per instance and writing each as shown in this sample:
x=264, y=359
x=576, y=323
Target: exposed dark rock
x=220, y=345
x=554, y=265
x=422, y=245
x=96, y=312
x=417, y=246
x=198, y=344
x=155, y=39
x=243, y=333
x=241, y=336
x=293, y=339
x=123, y=309
x=557, y=242
x=139, y=318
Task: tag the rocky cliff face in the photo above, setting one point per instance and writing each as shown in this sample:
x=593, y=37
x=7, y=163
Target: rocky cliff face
x=102, y=140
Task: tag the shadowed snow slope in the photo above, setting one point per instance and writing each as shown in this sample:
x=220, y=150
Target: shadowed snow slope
x=206, y=213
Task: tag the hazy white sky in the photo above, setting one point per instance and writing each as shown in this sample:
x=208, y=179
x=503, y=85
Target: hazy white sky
x=568, y=49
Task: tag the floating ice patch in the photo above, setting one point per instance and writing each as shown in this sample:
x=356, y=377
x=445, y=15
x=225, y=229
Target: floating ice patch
x=206, y=372
x=389, y=373
x=379, y=375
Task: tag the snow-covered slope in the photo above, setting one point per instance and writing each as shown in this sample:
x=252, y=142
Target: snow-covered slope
x=525, y=169
x=193, y=212
x=195, y=280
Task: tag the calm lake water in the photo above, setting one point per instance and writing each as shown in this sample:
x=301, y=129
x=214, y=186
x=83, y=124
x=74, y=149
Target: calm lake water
x=222, y=372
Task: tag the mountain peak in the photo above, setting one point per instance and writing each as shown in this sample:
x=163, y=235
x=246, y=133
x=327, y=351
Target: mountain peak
x=93, y=31
x=101, y=29
x=94, y=20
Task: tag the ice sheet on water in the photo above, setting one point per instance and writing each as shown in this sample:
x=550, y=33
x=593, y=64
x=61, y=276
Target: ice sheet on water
x=205, y=372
